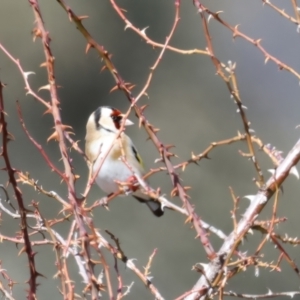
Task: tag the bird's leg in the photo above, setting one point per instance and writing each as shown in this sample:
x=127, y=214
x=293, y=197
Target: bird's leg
x=131, y=185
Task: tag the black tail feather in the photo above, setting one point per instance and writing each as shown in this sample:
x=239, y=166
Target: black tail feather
x=153, y=204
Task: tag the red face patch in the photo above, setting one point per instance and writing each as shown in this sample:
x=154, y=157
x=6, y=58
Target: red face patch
x=117, y=117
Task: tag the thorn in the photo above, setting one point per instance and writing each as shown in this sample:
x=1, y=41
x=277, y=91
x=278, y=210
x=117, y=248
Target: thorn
x=103, y=68
x=114, y=88
x=170, y=154
x=80, y=18
x=37, y=274
x=184, y=166
x=250, y=197
x=10, y=137
x=53, y=136
x=143, y=31
x=62, y=211
x=174, y=192
x=294, y=171
x=219, y=12
x=64, y=127
x=267, y=59
x=128, y=25
x=186, y=188
x=44, y=64
x=188, y=220
x=45, y=87
x=158, y=160
x=257, y=42
x=22, y=250
x=26, y=74
x=70, y=15
x=194, y=157
x=198, y=235
x=48, y=111
x=88, y=47
x=141, y=122
x=131, y=87
x=235, y=30
x=142, y=108
x=272, y=171
x=36, y=33
x=167, y=147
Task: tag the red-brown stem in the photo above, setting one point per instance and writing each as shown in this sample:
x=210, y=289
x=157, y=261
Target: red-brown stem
x=21, y=208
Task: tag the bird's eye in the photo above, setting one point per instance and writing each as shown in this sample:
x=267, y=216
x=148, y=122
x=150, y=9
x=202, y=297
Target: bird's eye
x=116, y=118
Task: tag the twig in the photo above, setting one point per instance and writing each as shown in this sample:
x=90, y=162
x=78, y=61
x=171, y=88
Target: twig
x=256, y=206
x=18, y=194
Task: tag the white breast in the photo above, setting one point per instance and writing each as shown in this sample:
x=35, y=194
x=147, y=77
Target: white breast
x=110, y=170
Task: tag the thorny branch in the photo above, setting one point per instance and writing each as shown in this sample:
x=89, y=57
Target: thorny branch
x=220, y=269
x=150, y=129
x=6, y=137
x=69, y=177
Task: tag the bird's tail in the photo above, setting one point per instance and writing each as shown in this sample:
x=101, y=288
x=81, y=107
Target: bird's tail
x=153, y=204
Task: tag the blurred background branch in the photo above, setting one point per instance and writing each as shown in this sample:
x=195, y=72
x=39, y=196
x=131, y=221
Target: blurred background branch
x=157, y=60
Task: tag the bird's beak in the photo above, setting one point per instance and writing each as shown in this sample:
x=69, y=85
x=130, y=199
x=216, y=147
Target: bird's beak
x=128, y=122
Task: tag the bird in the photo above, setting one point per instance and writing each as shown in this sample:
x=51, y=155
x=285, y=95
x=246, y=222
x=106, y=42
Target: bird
x=103, y=147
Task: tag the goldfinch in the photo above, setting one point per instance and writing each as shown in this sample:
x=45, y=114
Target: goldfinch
x=103, y=147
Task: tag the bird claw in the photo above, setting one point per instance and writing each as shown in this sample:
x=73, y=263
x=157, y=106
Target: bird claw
x=127, y=191
x=131, y=185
